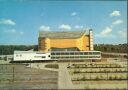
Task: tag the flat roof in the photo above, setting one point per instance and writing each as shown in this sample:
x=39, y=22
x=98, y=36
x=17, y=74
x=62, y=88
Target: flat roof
x=63, y=35
x=51, y=51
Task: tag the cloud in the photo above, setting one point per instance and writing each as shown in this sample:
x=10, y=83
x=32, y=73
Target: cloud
x=7, y=22
x=13, y=30
x=115, y=13
x=44, y=28
x=79, y=27
x=65, y=27
x=21, y=33
x=122, y=34
x=105, y=32
x=10, y=31
x=73, y=14
x=117, y=22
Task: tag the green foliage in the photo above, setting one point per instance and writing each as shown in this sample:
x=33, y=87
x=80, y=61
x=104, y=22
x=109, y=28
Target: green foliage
x=56, y=66
x=9, y=49
x=110, y=77
x=97, y=78
x=120, y=48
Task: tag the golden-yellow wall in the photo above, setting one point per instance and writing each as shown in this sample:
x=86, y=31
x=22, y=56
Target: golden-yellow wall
x=81, y=43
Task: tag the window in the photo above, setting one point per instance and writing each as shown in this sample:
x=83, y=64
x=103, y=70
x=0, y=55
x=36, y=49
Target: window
x=52, y=53
x=85, y=53
x=76, y=56
x=96, y=53
x=81, y=53
x=62, y=53
x=39, y=53
x=81, y=56
x=90, y=53
x=52, y=57
x=66, y=57
x=72, y=53
x=57, y=53
x=48, y=55
x=66, y=53
x=71, y=56
x=85, y=56
x=76, y=53
x=43, y=57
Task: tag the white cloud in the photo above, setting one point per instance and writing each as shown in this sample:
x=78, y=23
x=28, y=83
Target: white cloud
x=65, y=27
x=10, y=31
x=122, y=34
x=44, y=28
x=79, y=27
x=73, y=14
x=21, y=33
x=13, y=30
x=115, y=13
x=7, y=21
x=117, y=22
x=105, y=32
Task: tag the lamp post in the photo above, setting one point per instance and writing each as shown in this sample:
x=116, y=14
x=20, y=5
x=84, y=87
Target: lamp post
x=13, y=73
x=30, y=63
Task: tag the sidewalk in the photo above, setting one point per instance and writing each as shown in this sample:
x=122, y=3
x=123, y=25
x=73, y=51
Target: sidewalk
x=64, y=81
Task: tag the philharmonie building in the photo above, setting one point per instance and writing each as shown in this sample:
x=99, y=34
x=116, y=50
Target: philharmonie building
x=62, y=46
x=65, y=41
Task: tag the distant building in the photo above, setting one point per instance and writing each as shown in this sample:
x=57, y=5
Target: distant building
x=6, y=57
x=65, y=41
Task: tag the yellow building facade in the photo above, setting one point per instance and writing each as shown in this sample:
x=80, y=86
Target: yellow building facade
x=60, y=40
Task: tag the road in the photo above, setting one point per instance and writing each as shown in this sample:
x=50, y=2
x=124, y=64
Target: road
x=64, y=81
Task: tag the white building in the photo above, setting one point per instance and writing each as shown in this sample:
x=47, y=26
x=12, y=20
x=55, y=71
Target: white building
x=56, y=55
x=30, y=56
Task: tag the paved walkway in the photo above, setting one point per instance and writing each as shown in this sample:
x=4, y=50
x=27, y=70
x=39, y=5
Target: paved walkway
x=64, y=81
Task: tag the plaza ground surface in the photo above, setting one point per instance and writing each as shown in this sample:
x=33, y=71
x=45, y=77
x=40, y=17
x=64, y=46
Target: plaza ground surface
x=17, y=76
x=37, y=76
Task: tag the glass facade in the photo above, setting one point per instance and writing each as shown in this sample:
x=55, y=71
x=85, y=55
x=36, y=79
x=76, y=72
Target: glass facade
x=75, y=55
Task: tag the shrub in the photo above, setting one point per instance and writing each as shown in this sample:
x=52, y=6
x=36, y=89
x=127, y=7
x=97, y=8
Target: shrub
x=56, y=66
x=97, y=78
x=110, y=78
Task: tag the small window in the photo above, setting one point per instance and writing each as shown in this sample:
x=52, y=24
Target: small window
x=85, y=53
x=43, y=57
x=87, y=45
x=66, y=53
x=48, y=55
x=76, y=53
x=16, y=55
x=52, y=53
x=71, y=53
x=57, y=53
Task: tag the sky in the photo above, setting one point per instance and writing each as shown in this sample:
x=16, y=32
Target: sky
x=21, y=20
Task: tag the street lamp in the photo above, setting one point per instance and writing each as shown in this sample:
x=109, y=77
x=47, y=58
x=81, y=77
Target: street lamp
x=30, y=63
